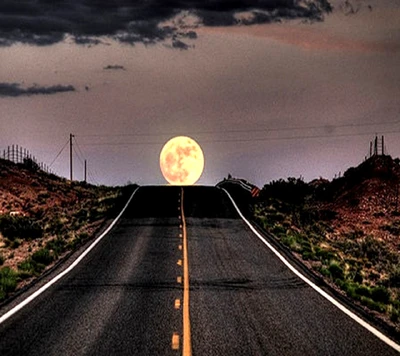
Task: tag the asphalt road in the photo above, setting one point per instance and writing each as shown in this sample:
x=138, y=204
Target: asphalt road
x=127, y=296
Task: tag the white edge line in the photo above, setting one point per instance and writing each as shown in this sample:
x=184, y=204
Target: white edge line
x=349, y=313
x=69, y=269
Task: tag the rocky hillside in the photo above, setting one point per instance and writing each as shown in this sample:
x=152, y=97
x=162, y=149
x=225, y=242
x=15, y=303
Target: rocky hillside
x=366, y=200
x=347, y=230
x=42, y=217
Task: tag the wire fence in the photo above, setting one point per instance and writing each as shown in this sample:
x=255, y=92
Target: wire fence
x=19, y=154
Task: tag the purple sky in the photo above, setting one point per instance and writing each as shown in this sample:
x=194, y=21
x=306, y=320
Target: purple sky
x=285, y=96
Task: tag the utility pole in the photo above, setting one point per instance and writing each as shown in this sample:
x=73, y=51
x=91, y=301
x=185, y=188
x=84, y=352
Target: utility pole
x=70, y=155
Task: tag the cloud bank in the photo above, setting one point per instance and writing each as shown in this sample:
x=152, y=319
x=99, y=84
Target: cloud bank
x=43, y=22
x=15, y=89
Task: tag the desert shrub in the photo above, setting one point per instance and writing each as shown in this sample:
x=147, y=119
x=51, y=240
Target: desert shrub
x=309, y=255
x=27, y=268
x=264, y=222
x=293, y=191
x=35, y=264
x=15, y=243
x=373, y=305
x=358, y=277
x=43, y=256
x=56, y=245
x=30, y=164
x=79, y=239
x=325, y=271
x=363, y=291
x=324, y=254
x=373, y=250
x=276, y=217
x=349, y=288
x=293, y=241
x=23, y=227
x=394, y=277
x=278, y=230
x=83, y=235
x=380, y=294
x=336, y=271
x=393, y=229
x=307, y=250
x=43, y=196
x=39, y=213
x=8, y=281
x=56, y=226
x=395, y=315
x=81, y=214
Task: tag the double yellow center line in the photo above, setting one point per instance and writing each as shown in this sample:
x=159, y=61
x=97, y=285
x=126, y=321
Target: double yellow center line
x=187, y=344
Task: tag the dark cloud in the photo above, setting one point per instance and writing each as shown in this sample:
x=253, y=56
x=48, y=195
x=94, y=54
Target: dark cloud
x=114, y=67
x=15, y=89
x=44, y=22
x=179, y=44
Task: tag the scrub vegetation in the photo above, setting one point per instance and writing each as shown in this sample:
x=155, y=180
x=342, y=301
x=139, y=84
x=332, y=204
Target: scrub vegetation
x=347, y=230
x=44, y=217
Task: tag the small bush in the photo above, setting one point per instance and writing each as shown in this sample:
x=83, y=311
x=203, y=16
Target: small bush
x=325, y=272
x=324, y=255
x=57, y=245
x=358, y=277
x=395, y=315
x=13, y=227
x=292, y=241
x=43, y=256
x=8, y=281
x=336, y=271
x=2, y=259
x=363, y=291
x=15, y=243
x=278, y=230
x=380, y=294
x=394, y=277
x=371, y=304
x=350, y=289
x=83, y=235
x=309, y=255
x=27, y=268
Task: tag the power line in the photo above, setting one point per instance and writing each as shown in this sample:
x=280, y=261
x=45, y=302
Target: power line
x=77, y=145
x=77, y=155
x=276, y=129
x=246, y=139
x=92, y=174
x=59, y=153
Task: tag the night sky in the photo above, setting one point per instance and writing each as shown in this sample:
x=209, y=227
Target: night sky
x=269, y=89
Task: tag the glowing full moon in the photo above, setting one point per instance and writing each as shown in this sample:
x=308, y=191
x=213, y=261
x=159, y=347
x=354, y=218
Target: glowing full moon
x=181, y=161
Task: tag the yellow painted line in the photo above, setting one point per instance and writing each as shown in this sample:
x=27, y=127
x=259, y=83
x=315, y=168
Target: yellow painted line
x=179, y=279
x=187, y=343
x=175, y=341
x=179, y=263
x=177, y=303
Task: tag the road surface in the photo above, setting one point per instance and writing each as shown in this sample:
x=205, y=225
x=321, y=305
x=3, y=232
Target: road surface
x=181, y=273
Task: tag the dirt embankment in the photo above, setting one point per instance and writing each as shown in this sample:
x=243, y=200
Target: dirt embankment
x=43, y=217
